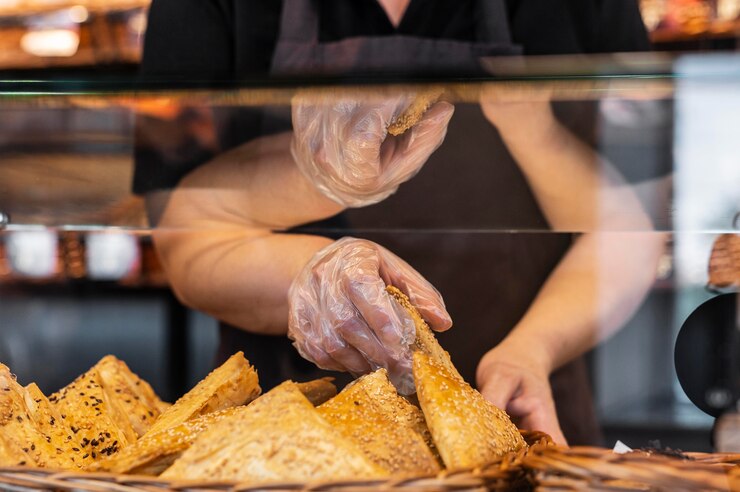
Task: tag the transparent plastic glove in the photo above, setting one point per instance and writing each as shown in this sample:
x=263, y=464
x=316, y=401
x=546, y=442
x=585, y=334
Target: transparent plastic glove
x=341, y=145
x=342, y=318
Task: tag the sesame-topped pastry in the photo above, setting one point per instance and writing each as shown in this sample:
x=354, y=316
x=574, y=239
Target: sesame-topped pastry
x=134, y=397
x=389, y=430
x=23, y=442
x=425, y=340
x=233, y=383
x=278, y=437
x=467, y=430
x=415, y=111
x=154, y=453
x=96, y=421
x=11, y=453
x=54, y=426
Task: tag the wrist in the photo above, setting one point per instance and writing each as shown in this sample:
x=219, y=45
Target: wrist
x=530, y=350
x=539, y=127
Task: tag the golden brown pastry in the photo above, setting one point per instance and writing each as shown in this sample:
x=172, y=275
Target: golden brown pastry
x=318, y=391
x=54, y=426
x=23, y=442
x=413, y=114
x=425, y=340
x=133, y=396
x=724, y=263
x=467, y=430
x=279, y=437
x=154, y=453
x=96, y=420
x=233, y=383
x=388, y=429
x=11, y=453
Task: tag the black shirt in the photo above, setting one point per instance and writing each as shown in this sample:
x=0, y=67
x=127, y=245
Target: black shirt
x=236, y=38
x=232, y=39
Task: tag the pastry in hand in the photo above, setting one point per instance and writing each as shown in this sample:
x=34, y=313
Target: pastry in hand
x=413, y=114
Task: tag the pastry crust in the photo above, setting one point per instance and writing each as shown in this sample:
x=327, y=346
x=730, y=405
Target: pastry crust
x=318, y=391
x=413, y=114
x=425, y=340
x=389, y=430
x=233, y=383
x=279, y=437
x=134, y=397
x=467, y=430
x=156, y=452
x=54, y=426
x=23, y=441
x=96, y=420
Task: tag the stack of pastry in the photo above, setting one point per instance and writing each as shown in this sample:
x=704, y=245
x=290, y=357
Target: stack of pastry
x=110, y=420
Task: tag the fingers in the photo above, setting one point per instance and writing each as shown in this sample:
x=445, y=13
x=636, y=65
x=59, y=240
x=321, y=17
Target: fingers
x=403, y=157
x=422, y=294
x=341, y=316
x=537, y=413
x=343, y=147
x=500, y=391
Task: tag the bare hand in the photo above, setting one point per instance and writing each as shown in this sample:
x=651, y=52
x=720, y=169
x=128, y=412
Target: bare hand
x=517, y=380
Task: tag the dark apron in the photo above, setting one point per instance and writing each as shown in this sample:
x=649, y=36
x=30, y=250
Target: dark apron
x=488, y=280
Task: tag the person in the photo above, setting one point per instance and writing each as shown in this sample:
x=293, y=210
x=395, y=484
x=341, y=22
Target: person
x=526, y=306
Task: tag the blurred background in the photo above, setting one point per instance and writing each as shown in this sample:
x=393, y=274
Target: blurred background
x=68, y=297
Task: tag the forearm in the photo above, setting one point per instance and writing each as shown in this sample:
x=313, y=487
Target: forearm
x=575, y=187
x=241, y=277
x=594, y=290
x=256, y=185
x=216, y=238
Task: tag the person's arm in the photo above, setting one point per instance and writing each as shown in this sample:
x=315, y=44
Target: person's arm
x=598, y=284
x=215, y=234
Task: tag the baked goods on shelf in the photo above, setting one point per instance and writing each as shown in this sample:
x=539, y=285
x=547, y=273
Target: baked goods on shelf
x=724, y=262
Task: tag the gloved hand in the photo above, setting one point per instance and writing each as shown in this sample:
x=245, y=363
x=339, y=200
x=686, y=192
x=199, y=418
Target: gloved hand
x=342, y=318
x=341, y=145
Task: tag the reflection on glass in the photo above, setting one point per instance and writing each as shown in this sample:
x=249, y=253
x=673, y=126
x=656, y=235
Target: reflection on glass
x=33, y=253
x=111, y=256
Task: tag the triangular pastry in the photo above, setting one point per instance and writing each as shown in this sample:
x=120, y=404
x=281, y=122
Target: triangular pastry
x=389, y=430
x=278, y=437
x=467, y=430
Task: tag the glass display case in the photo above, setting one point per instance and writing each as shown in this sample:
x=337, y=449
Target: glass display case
x=575, y=202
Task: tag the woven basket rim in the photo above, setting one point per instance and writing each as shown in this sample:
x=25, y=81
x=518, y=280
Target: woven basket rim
x=507, y=468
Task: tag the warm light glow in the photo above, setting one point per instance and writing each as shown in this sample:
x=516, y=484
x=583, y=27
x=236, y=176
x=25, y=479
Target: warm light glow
x=51, y=42
x=78, y=14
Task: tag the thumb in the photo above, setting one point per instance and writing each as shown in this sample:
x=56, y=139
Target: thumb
x=403, y=156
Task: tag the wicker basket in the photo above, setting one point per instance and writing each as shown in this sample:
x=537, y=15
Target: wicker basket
x=505, y=474
x=584, y=468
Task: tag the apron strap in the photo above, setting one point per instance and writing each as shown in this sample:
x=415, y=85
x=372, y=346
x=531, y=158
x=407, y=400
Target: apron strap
x=492, y=22
x=299, y=22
